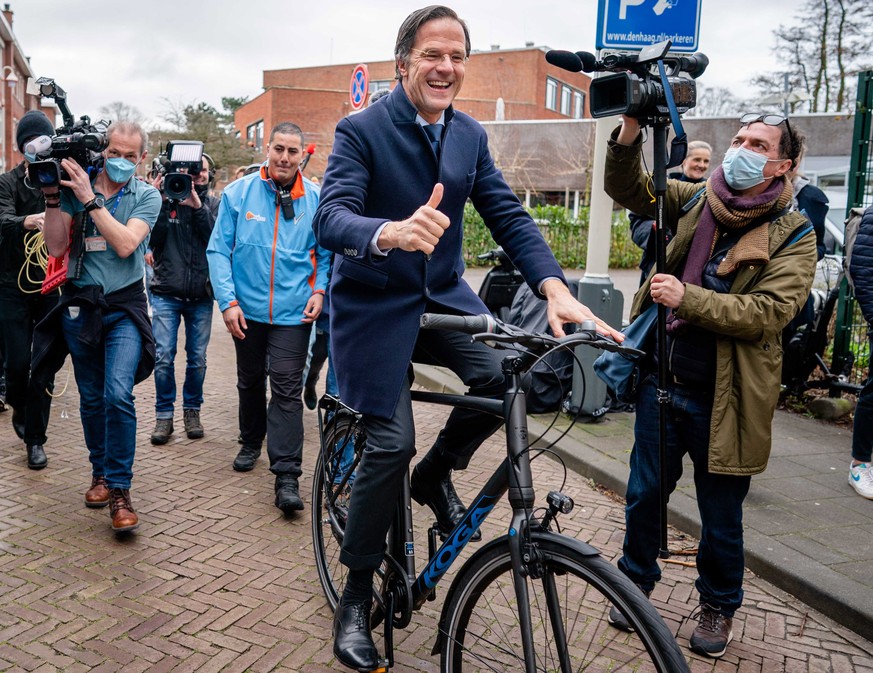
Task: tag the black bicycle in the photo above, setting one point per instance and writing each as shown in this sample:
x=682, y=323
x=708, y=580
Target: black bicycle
x=533, y=599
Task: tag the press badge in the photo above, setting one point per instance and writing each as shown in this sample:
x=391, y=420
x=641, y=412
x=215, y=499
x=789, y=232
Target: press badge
x=95, y=244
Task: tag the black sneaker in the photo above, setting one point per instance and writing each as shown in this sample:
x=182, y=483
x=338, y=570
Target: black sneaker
x=288, y=494
x=713, y=631
x=618, y=620
x=163, y=430
x=245, y=459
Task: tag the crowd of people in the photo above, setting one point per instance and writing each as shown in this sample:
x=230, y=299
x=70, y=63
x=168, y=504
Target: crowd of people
x=297, y=266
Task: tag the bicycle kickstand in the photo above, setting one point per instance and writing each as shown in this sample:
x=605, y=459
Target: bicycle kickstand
x=388, y=661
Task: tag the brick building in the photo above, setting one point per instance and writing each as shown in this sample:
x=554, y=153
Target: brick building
x=501, y=84
x=14, y=99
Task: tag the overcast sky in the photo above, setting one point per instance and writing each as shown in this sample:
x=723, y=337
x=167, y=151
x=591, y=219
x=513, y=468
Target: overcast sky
x=187, y=51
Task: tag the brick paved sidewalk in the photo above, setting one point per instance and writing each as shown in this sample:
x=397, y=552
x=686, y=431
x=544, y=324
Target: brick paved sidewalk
x=217, y=579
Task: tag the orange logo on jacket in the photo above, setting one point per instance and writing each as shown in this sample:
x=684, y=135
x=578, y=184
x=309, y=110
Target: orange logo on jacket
x=258, y=218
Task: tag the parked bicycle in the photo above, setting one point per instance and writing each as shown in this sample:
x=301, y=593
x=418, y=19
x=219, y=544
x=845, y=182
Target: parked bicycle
x=532, y=599
x=804, y=345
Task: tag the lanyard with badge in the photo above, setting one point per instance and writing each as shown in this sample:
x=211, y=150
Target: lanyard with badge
x=95, y=242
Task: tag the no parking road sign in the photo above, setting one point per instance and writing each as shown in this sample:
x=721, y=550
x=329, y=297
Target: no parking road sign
x=358, y=87
x=633, y=24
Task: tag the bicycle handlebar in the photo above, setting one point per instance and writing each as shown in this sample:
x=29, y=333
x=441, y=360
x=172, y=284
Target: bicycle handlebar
x=487, y=329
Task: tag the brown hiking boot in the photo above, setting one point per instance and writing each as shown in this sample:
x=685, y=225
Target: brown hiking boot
x=98, y=494
x=163, y=430
x=193, y=426
x=124, y=518
x=713, y=631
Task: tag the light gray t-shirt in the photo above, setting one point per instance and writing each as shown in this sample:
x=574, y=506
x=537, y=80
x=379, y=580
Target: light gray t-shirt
x=101, y=265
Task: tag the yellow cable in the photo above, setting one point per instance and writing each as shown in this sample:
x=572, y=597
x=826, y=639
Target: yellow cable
x=35, y=257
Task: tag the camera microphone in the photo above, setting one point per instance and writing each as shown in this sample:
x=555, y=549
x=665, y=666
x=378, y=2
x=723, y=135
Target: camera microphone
x=310, y=148
x=566, y=60
x=589, y=61
x=37, y=145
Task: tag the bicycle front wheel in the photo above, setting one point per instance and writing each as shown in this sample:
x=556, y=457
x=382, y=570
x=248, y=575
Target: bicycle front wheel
x=570, y=594
x=331, y=490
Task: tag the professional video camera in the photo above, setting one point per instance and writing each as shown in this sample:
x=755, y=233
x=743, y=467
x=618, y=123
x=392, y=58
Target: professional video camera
x=180, y=155
x=81, y=141
x=637, y=89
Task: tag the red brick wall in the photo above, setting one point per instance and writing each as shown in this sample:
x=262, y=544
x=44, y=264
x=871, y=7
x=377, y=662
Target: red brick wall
x=317, y=98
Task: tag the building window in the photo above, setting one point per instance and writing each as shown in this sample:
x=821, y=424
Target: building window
x=551, y=94
x=255, y=135
x=566, y=98
x=379, y=85
x=578, y=105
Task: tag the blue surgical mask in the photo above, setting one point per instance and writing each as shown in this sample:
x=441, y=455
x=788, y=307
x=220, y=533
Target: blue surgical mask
x=119, y=169
x=30, y=157
x=744, y=168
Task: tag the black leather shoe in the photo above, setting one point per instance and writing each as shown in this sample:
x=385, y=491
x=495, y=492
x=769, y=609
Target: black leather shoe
x=246, y=458
x=310, y=397
x=18, y=423
x=288, y=494
x=353, y=644
x=442, y=499
x=36, y=459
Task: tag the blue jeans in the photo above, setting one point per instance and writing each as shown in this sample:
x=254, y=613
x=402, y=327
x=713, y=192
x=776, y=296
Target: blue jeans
x=862, y=433
x=720, y=497
x=167, y=313
x=104, y=374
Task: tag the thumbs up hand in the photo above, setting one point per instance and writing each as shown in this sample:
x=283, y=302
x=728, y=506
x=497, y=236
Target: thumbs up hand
x=421, y=231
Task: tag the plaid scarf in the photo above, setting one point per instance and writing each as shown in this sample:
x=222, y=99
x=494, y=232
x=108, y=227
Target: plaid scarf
x=725, y=209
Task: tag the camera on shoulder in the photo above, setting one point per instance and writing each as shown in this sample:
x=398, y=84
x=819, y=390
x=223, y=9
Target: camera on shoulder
x=180, y=155
x=80, y=141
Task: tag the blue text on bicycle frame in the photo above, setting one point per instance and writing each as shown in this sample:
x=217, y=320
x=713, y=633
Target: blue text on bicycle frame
x=446, y=555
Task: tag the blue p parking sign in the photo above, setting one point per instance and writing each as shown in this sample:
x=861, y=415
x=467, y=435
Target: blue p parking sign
x=633, y=24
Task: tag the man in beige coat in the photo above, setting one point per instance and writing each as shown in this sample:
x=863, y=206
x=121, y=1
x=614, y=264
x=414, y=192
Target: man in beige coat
x=739, y=267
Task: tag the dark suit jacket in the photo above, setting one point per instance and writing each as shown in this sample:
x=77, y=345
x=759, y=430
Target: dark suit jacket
x=382, y=169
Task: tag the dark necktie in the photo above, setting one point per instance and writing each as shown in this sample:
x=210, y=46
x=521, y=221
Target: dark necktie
x=434, y=132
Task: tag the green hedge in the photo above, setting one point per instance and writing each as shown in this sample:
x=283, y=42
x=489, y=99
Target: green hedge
x=568, y=238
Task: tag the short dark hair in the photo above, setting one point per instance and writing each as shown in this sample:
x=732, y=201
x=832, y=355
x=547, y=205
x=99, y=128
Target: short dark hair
x=791, y=143
x=409, y=29
x=286, y=128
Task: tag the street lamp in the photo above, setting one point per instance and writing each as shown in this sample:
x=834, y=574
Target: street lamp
x=11, y=79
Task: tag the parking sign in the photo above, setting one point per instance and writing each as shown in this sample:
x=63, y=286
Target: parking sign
x=633, y=24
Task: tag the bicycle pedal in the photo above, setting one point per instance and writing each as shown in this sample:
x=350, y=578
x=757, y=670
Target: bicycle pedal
x=383, y=667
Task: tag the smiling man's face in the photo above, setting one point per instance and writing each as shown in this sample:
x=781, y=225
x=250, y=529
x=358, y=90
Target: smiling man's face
x=435, y=70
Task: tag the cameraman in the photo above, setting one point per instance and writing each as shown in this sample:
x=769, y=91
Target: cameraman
x=22, y=211
x=180, y=289
x=738, y=268
x=102, y=313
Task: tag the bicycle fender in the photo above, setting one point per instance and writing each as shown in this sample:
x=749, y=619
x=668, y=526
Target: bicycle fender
x=583, y=548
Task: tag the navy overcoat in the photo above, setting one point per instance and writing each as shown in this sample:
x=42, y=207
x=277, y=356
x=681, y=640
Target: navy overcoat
x=383, y=168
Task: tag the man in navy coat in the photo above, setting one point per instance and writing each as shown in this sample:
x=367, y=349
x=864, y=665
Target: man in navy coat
x=392, y=207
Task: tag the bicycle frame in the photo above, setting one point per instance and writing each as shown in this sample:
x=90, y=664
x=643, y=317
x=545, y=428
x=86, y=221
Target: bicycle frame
x=513, y=475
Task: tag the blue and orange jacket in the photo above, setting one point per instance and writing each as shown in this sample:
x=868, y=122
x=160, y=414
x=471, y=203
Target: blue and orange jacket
x=268, y=265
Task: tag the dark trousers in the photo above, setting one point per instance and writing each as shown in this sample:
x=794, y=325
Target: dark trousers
x=391, y=442
x=23, y=393
x=862, y=432
x=280, y=350
x=720, y=497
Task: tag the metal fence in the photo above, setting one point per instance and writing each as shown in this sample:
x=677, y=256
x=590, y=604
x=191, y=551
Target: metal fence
x=851, y=348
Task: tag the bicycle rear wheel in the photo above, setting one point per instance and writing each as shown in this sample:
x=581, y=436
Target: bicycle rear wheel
x=569, y=603
x=342, y=442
